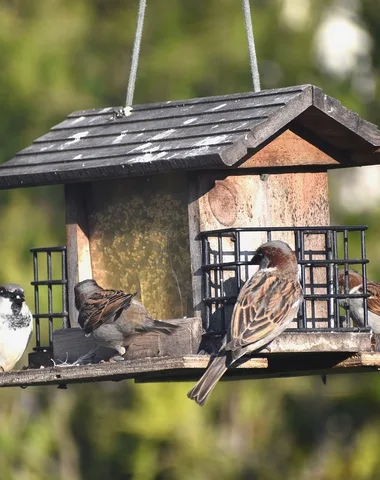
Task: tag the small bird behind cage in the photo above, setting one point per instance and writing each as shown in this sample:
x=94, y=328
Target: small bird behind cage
x=50, y=299
x=322, y=252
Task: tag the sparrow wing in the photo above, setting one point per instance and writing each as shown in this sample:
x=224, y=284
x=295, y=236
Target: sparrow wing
x=373, y=302
x=264, y=302
x=102, y=307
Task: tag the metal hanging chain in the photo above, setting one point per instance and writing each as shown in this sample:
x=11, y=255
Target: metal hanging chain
x=135, y=56
x=251, y=46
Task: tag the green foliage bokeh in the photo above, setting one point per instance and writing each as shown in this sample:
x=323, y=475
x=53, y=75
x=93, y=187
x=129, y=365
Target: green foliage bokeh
x=58, y=56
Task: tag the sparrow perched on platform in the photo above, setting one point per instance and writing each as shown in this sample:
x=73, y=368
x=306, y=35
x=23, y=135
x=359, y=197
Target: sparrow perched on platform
x=265, y=307
x=355, y=286
x=16, y=325
x=113, y=317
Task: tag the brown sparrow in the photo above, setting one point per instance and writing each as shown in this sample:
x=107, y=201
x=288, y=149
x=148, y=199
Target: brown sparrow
x=265, y=306
x=355, y=286
x=114, y=318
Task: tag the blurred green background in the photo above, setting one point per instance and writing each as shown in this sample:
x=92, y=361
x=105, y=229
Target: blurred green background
x=58, y=56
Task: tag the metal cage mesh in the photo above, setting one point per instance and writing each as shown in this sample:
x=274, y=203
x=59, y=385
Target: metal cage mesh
x=50, y=293
x=226, y=265
x=321, y=252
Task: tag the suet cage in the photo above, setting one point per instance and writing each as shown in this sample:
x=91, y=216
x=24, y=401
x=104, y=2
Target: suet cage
x=321, y=253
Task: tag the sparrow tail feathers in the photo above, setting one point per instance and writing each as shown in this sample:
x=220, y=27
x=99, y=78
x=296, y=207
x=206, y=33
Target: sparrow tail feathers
x=207, y=382
x=163, y=327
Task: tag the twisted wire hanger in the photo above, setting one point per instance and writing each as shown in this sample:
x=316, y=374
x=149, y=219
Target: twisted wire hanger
x=137, y=44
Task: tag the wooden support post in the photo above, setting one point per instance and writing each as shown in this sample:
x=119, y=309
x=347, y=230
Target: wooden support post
x=195, y=244
x=78, y=248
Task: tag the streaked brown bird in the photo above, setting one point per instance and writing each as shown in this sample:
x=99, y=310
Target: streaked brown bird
x=112, y=317
x=265, y=306
x=355, y=286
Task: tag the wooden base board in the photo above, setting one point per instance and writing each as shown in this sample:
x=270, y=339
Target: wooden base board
x=160, y=358
x=71, y=344
x=190, y=367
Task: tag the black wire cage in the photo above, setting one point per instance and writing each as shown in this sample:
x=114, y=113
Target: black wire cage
x=226, y=264
x=50, y=297
x=321, y=251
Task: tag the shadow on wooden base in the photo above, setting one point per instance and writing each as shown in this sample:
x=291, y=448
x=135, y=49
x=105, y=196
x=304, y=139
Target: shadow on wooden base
x=180, y=357
x=191, y=367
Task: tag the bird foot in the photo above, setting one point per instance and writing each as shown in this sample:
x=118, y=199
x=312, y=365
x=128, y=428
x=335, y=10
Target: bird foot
x=116, y=358
x=373, y=342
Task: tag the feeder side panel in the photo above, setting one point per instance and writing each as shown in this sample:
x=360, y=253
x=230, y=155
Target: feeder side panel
x=286, y=150
x=221, y=201
x=139, y=240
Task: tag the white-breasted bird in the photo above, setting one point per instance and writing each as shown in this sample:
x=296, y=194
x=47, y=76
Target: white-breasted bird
x=16, y=325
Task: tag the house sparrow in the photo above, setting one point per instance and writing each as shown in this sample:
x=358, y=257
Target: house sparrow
x=113, y=317
x=265, y=306
x=16, y=325
x=355, y=286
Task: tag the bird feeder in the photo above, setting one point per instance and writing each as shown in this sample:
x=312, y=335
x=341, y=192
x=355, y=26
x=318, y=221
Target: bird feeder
x=171, y=199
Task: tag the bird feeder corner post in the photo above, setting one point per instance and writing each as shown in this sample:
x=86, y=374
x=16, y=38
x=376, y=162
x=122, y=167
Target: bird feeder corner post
x=77, y=241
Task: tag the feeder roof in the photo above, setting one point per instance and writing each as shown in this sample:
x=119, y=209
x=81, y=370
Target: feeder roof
x=211, y=132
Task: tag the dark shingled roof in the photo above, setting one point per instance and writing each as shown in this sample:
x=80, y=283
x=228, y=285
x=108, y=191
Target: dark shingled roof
x=213, y=132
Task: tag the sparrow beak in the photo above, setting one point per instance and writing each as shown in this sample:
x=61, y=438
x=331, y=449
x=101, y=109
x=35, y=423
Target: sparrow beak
x=256, y=259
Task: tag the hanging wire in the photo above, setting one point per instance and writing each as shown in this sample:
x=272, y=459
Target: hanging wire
x=135, y=57
x=251, y=46
x=137, y=44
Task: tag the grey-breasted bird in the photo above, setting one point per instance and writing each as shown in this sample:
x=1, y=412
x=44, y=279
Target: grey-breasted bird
x=113, y=317
x=16, y=325
x=266, y=305
x=355, y=286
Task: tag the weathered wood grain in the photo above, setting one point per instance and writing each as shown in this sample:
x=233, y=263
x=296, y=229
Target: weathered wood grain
x=288, y=149
x=193, y=134
x=364, y=132
x=219, y=200
x=195, y=245
x=77, y=242
x=278, y=366
x=203, y=125
x=139, y=241
x=89, y=151
x=71, y=344
x=191, y=367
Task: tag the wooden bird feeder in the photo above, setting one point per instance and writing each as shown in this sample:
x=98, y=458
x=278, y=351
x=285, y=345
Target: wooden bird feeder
x=171, y=200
